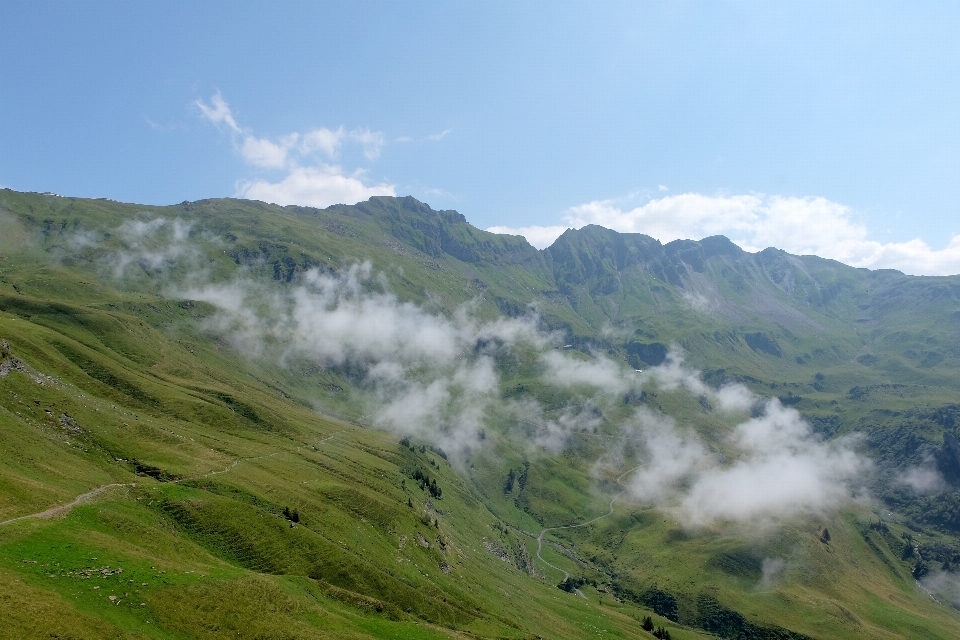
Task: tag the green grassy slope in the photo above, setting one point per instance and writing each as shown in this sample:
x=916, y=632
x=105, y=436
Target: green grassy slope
x=118, y=381
x=196, y=521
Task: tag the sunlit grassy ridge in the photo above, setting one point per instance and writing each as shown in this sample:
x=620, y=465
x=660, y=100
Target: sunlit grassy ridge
x=116, y=377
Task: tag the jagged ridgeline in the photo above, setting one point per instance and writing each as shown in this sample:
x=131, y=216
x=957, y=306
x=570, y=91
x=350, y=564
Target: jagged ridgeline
x=231, y=419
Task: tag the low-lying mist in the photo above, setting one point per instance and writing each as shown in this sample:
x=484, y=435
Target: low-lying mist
x=440, y=378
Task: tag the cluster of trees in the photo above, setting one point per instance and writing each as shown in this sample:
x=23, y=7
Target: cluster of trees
x=405, y=441
x=516, y=479
x=292, y=516
x=658, y=632
x=511, y=478
x=920, y=570
x=420, y=476
x=571, y=584
x=426, y=483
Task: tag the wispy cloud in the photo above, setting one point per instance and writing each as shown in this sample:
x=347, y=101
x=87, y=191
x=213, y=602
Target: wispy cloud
x=779, y=467
x=772, y=570
x=151, y=246
x=307, y=181
x=372, y=141
x=923, y=479
x=435, y=137
x=423, y=374
x=437, y=193
x=944, y=587
x=218, y=112
x=156, y=126
x=801, y=226
x=326, y=140
x=267, y=153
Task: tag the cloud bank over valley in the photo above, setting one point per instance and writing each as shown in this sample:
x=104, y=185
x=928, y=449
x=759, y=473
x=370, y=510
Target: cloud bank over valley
x=441, y=378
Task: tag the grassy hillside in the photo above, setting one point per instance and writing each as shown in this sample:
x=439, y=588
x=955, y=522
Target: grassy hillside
x=242, y=492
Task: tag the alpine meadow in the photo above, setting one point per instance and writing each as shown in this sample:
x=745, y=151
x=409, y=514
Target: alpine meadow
x=230, y=419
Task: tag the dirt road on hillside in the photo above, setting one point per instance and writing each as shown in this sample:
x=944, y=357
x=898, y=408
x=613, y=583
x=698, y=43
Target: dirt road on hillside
x=566, y=574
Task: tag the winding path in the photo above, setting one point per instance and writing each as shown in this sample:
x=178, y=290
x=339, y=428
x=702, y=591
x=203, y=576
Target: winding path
x=66, y=508
x=227, y=468
x=566, y=574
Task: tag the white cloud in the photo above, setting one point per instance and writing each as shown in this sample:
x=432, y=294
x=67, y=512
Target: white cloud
x=671, y=217
x=554, y=434
x=773, y=465
x=150, y=245
x=264, y=153
x=781, y=470
x=425, y=374
x=218, y=111
x=671, y=374
x=565, y=371
x=923, y=479
x=329, y=141
x=319, y=186
x=372, y=142
x=675, y=455
x=436, y=137
x=800, y=226
x=735, y=397
x=772, y=570
x=323, y=139
x=943, y=586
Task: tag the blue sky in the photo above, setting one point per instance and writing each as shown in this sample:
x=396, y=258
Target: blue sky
x=819, y=128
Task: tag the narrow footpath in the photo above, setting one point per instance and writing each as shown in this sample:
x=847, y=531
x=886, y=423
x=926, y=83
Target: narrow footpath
x=63, y=509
